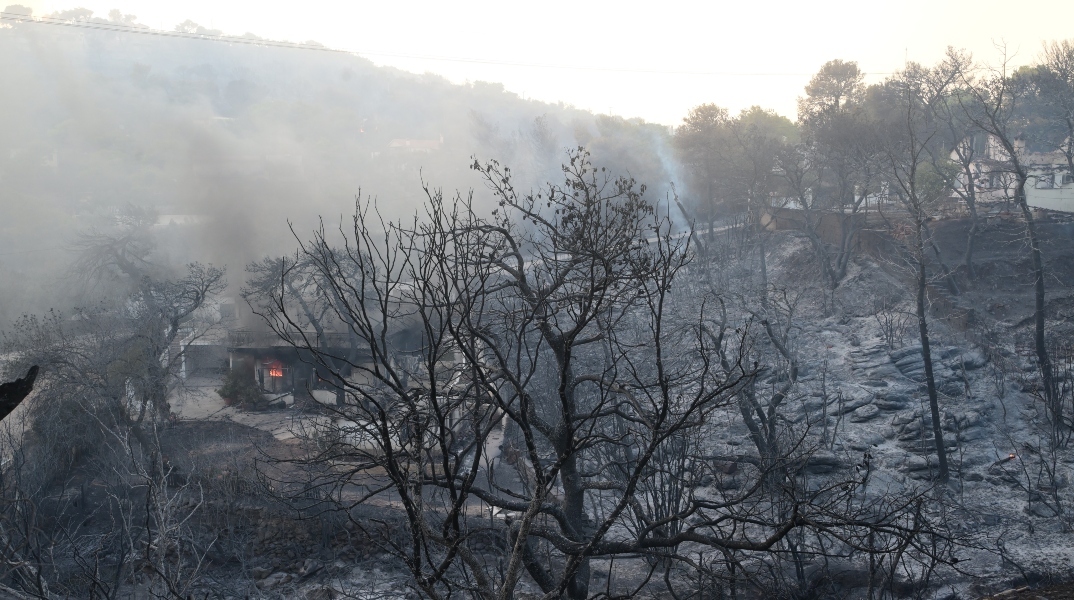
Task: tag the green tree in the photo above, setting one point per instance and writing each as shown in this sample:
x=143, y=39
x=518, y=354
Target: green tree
x=1053, y=82
x=701, y=142
x=836, y=87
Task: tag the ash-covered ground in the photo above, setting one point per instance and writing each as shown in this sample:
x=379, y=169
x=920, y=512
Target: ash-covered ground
x=859, y=398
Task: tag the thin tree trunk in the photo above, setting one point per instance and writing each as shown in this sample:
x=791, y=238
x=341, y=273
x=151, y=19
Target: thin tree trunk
x=1044, y=360
x=926, y=355
x=971, y=237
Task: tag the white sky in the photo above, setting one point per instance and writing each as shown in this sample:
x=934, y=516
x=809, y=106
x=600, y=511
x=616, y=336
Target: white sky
x=654, y=59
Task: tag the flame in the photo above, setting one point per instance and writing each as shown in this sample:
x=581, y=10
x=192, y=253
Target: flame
x=275, y=372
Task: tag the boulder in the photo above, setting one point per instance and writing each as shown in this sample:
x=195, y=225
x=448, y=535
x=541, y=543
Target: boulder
x=865, y=413
x=904, y=418
x=309, y=567
x=1039, y=509
x=901, y=353
x=274, y=580
x=913, y=362
x=867, y=443
x=321, y=592
x=892, y=401
x=260, y=572
x=915, y=463
x=822, y=463
x=849, y=404
x=972, y=434
x=971, y=359
x=952, y=388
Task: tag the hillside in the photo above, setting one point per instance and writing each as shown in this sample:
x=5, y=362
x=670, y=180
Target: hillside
x=231, y=141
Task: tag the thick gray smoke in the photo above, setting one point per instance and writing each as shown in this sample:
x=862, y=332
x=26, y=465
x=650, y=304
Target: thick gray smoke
x=231, y=142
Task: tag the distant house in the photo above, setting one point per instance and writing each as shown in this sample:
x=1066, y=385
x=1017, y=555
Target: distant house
x=415, y=146
x=278, y=366
x=1050, y=185
x=282, y=365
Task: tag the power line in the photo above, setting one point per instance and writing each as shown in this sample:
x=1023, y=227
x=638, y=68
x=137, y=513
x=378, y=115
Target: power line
x=122, y=28
x=232, y=39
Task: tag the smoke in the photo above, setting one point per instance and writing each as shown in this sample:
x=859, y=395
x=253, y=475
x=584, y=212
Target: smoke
x=672, y=202
x=233, y=145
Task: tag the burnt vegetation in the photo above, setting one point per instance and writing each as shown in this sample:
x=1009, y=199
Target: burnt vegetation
x=833, y=359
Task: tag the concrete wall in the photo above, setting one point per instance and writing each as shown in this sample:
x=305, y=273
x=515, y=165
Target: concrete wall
x=1056, y=198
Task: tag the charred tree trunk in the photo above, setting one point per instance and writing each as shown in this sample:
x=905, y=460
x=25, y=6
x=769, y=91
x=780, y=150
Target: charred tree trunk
x=926, y=355
x=1051, y=395
x=11, y=394
x=971, y=240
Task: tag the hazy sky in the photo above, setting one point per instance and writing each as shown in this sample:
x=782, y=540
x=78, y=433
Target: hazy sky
x=649, y=59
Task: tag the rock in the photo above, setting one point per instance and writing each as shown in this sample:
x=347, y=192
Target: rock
x=795, y=417
x=971, y=360
x=903, y=419
x=321, y=592
x=875, y=383
x=259, y=573
x=871, y=349
x=948, y=352
x=892, y=401
x=885, y=370
x=967, y=419
x=273, y=581
x=849, y=405
x=910, y=363
x=973, y=434
x=991, y=519
x=1039, y=509
x=927, y=446
x=955, y=389
x=821, y=463
x=728, y=483
x=867, y=443
x=868, y=363
x=865, y=413
x=873, y=440
x=904, y=352
x=915, y=463
x=884, y=404
x=915, y=426
x=309, y=567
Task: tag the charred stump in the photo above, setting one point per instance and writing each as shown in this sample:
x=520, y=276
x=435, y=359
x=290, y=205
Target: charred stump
x=12, y=393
